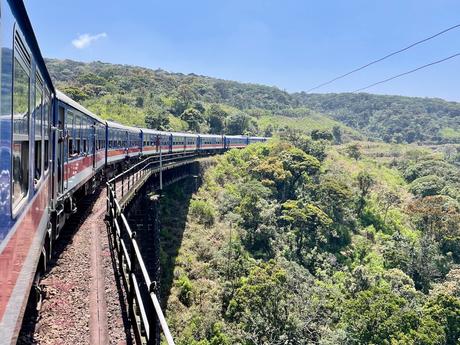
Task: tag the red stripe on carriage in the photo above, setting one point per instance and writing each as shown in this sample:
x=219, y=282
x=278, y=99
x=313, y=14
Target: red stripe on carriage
x=16, y=252
x=73, y=167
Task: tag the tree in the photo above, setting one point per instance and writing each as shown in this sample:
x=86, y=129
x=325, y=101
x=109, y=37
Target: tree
x=216, y=118
x=268, y=131
x=157, y=118
x=445, y=310
x=353, y=151
x=388, y=199
x=320, y=134
x=310, y=226
x=277, y=305
x=426, y=186
x=75, y=93
x=139, y=101
x=438, y=215
x=337, y=133
x=193, y=118
x=365, y=182
x=239, y=123
x=380, y=316
x=258, y=217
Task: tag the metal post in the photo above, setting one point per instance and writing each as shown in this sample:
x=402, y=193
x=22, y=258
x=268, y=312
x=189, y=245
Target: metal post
x=161, y=171
x=155, y=329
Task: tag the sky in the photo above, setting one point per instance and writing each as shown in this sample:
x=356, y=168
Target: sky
x=291, y=44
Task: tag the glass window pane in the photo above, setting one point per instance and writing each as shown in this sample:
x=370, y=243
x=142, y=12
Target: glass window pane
x=38, y=120
x=20, y=149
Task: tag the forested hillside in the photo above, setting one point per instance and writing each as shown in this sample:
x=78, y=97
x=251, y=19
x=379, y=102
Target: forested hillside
x=300, y=241
x=164, y=100
x=391, y=118
x=313, y=237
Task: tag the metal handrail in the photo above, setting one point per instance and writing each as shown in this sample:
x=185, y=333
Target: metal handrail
x=139, y=172
x=144, y=311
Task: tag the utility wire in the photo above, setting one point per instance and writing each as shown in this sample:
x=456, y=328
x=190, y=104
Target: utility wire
x=408, y=72
x=383, y=58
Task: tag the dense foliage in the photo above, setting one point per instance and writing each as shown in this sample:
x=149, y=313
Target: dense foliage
x=164, y=100
x=297, y=242
x=308, y=239
x=391, y=118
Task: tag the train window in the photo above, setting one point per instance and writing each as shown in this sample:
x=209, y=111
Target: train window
x=38, y=121
x=47, y=129
x=20, y=149
x=71, y=133
x=77, y=134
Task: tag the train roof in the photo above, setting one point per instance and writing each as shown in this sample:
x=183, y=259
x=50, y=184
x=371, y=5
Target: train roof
x=154, y=131
x=193, y=135
x=22, y=18
x=117, y=125
x=210, y=135
x=236, y=136
x=67, y=100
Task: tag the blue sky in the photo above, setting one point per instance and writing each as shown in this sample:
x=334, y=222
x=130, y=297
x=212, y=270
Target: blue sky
x=291, y=44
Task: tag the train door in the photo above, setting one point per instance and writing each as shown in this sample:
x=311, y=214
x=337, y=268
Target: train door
x=60, y=149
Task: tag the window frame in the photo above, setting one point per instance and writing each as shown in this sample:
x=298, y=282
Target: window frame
x=47, y=130
x=39, y=81
x=23, y=58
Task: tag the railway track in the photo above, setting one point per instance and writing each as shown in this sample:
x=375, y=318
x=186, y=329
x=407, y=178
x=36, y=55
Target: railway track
x=82, y=301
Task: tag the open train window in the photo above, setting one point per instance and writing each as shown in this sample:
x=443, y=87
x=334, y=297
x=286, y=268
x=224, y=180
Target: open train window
x=38, y=129
x=20, y=118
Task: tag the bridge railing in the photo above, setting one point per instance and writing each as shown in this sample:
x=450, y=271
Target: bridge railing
x=144, y=306
x=126, y=183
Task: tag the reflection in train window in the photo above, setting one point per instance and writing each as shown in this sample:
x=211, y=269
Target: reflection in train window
x=47, y=128
x=20, y=149
x=71, y=133
x=38, y=120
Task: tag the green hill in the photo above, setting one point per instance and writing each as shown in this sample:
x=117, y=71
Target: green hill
x=165, y=100
x=391, y=118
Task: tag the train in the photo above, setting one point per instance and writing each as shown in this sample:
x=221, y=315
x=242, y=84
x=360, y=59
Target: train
x=53, y=153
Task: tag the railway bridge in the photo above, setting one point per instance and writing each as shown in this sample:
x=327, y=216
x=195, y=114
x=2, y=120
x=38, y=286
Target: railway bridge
x=120, y=232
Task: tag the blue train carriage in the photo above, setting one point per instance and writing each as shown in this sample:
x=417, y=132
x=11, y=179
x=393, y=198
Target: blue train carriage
x=211, y=142
x=236, y=141
x=181, y=142
x=134, y=146
x=153, y=141
x=123, y=142
x=26, y=166
x=80, y=149
x=252, y=140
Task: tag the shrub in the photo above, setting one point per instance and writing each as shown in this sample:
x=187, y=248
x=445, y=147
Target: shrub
x=185, y=290
x=203, y=212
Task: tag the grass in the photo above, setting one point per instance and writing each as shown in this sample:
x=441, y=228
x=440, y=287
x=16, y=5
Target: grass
x=450, y=133
x=307, y=123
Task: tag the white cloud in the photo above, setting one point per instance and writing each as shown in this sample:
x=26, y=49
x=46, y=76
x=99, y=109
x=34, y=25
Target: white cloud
x=85, y=40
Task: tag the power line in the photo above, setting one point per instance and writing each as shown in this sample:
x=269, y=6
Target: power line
x=408, y=72
x=383, y=58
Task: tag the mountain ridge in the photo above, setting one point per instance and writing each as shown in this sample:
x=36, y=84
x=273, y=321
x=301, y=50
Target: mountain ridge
x=128, y=94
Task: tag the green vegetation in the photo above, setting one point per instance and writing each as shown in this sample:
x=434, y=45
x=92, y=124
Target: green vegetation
x=164, y=100
x=342, y=230
x=297, y=242
x=390, y=118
